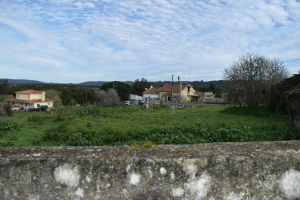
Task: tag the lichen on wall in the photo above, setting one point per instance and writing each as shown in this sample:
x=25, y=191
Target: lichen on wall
x=230, y=171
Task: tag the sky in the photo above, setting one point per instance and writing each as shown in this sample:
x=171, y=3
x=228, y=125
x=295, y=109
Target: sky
x=73, y=41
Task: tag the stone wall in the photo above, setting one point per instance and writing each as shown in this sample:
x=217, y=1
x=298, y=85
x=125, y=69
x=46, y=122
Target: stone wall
x=254, y=170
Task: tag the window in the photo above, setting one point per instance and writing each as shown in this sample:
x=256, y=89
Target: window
x=18, y=97
x=189, y=89
x=49, y=104
x=38, y=105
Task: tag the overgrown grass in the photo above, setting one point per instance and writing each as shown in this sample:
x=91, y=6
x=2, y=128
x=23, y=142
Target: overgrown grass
x=35, y=118
x=92, y=125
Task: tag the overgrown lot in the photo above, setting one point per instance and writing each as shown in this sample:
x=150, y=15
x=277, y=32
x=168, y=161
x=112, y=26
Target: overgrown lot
x=92, y=125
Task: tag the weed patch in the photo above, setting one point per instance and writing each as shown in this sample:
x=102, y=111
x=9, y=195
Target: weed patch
x=35, y=118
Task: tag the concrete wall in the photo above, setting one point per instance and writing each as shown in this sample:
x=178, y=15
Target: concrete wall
x=215, y=100
x=258, y=170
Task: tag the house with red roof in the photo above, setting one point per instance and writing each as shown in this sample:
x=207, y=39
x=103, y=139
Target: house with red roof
x=152, y=93
x=30, y=99
x=185, y=92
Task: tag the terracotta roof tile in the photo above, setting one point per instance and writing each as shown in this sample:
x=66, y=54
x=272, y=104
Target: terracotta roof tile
x=29, y=92
x=168, y=87
x=167, y=94
x=153, y=90
x=29, y=101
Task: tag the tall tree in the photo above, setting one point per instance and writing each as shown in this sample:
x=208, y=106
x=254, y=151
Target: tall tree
x=195, y=87
x=4, y=87
x=138, y=87
x=251, y=77
x=123, y=89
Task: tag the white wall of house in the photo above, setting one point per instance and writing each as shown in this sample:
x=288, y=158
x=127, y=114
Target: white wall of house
x=187, y=94
x=49, y=104
x=35, y=96
x=22, y=96
x=135, y=97
x=153, y=96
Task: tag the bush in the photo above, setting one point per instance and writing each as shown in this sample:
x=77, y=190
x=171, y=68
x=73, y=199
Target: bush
x=178, y=135
x=7, y=109
x=4, y=143
x=6, y=120
x=107, y=98
x=35, y=118
x=56, y=134
x=77, y=139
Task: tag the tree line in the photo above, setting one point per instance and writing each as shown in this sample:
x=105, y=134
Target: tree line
x=249, y=81
x=69, y=94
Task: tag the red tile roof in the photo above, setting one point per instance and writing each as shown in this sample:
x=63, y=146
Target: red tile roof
x=29, y=92
x=29, y=101
x=153, y=90
x=168, y=87
x=167, y=94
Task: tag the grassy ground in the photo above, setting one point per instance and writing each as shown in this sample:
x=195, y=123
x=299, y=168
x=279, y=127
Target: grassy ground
x=127, y=125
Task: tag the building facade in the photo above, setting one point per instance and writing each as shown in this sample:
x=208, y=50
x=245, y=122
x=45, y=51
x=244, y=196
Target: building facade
x=30, y=99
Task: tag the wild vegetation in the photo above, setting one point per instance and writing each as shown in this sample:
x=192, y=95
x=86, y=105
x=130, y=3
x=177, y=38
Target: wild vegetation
x=250, y=79
x=95, y=125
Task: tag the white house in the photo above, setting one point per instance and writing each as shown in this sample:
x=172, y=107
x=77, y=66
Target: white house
x=151, y=93
x=135, y=97
x=30, y=99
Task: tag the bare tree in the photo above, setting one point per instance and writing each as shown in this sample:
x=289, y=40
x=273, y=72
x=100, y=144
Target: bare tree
x=109, y=98
x=51, y=94
x=56, y=101
x=183, y=98
x=251, y=77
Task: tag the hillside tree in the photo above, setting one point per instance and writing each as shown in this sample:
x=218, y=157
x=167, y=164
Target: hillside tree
x=250, y=79
x=4, y=87
x=123, y=89
x=138, y=87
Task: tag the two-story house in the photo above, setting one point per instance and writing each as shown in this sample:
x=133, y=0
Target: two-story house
x=185, y=92
x=30, y=99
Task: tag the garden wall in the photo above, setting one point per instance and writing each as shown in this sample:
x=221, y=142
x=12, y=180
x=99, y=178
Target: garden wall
x=254, y=170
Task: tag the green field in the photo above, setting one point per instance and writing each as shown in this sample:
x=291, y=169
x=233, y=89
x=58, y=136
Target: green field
x=92, y=125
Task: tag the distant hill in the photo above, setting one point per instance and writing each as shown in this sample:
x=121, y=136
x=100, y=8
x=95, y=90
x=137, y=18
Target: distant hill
x=96, y=83
x=218, y=83
x=22, y=81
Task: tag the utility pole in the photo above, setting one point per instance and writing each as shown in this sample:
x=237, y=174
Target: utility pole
x=190, y=75
x=178, y=91
x=172, y=90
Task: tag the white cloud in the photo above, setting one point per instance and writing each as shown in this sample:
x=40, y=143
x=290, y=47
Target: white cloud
x=125, y=39
x=81, y=5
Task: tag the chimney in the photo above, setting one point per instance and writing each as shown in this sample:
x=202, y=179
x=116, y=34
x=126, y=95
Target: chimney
x=43, y=95
x=145, y=89
x=180, y=88
x=151, y=86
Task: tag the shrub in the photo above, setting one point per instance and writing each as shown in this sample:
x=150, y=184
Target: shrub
x=35, y=118
x=56, y=134
x=5, y=143
x=6, y=120
x=7, y=109
x=78, y=139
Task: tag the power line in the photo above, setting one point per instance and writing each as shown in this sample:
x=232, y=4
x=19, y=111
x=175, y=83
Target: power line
x=200, y=73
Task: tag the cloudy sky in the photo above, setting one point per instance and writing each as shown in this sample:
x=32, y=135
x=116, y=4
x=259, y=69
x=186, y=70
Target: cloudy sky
x=72, y=41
